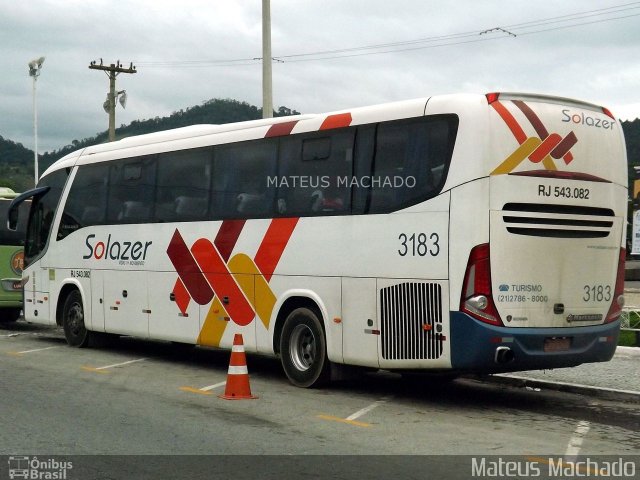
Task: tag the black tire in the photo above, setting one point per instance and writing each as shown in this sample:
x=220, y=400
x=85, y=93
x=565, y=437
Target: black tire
x=9, y=315
x=75, y=331
x=303, y=349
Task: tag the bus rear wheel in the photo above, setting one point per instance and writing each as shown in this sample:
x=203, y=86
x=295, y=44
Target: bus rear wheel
x=75, y=331
x=303, y=349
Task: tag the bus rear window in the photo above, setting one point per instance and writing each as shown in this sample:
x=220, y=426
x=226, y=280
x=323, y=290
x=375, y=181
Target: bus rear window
x=409, y=164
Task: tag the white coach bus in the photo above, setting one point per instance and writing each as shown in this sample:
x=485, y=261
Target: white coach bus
x=456, y=233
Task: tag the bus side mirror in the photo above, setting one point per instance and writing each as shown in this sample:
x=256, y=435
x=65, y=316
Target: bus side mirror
x=12, y=219
x=12, y=214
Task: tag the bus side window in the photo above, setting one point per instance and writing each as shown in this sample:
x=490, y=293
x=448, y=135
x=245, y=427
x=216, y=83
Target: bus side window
x=86, y=202
x=242, y=190
x=410, y=161
x=315, y=173
x=184, y=179
x=131, y=190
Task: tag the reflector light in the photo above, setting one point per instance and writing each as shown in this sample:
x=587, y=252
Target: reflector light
x=492, y=97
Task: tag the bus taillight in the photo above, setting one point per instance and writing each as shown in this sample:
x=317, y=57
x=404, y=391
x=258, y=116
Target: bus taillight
x=618, y=296
x=477, y=298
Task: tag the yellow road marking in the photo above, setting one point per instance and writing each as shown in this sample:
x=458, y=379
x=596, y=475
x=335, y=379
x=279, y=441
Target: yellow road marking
x=18, y=354
x=195, y=390
x=344, y=420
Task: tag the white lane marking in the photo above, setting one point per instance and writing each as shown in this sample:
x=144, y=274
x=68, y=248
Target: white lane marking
x=36, y=350
x=119, y=364
x=575, y=443
x=211, y=387
x=366, y=410
x=10, y=335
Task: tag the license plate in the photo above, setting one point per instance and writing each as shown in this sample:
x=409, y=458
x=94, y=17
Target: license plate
x=557, y=344
x=17, y=285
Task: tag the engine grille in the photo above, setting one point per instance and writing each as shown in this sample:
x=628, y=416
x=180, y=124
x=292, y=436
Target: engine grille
x=558, y=221
x=411, y=321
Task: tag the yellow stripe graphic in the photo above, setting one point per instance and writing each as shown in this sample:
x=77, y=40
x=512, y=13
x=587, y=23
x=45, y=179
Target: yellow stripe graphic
x=255, y=288
x=518, y=156
x=214, y=325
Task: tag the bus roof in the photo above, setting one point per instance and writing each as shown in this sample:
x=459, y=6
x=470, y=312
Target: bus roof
x=207, y=134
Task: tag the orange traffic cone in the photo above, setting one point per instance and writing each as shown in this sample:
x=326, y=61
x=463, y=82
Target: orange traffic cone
x=237, y=387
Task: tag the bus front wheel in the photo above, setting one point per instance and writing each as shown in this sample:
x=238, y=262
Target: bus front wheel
x=303, y=349
x=75, y=331
x=9, y=315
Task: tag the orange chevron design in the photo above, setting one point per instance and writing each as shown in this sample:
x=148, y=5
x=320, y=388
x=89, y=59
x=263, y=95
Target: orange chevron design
x=542, y=149
x=243, y=283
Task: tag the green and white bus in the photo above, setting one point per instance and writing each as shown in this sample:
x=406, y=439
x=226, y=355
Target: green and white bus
x=11, y=260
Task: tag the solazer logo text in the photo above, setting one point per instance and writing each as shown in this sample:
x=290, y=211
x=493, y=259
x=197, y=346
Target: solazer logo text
x=115, y=250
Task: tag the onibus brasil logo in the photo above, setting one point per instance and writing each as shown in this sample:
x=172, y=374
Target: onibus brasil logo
x=38, y=468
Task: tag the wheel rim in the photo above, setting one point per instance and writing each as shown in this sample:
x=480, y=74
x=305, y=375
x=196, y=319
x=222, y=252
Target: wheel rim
x=303, y=347
x=75, y=319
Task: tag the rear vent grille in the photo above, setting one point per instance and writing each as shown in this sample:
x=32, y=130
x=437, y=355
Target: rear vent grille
x=411, y=321
x=557, y=221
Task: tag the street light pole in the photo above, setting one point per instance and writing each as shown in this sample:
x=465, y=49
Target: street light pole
x=267, y=86
x=34, y=72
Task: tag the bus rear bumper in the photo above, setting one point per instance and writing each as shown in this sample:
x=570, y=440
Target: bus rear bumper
x=480, y=347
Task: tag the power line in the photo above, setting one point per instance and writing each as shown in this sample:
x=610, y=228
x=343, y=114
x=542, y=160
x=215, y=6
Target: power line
x=500, y=32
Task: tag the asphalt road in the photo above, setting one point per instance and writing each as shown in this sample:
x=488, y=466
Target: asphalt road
x=129, y=398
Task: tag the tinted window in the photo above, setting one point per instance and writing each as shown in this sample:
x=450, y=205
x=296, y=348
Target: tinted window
x=241, y=174
x=131, y=190
x=184, y=179
x=410, y=161
x=315, y=173
x=42, y=213
x=86, y=203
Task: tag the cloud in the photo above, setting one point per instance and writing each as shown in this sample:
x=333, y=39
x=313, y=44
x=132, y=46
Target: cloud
x=589, y=62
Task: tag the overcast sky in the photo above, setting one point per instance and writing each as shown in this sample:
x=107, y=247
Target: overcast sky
x=185, y=53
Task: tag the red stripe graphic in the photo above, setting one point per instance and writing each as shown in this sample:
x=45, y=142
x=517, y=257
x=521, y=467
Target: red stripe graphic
x=510, y=121
x=540, y=129
x=552, y=145
x=273, y=245
x=545, y=148
x=217, y=274
x=338, y=120
x=188, y=270
x=228, y=236
x=203, y=270
x=280, y=129
x=564, y=146
x=182, y=296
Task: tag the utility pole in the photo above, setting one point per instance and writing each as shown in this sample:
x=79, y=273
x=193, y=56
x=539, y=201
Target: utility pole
x=267, y=87
x=112, y=72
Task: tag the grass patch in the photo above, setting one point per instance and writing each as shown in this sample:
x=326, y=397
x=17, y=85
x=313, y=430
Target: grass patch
x=630, y=319
x=627, y=339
